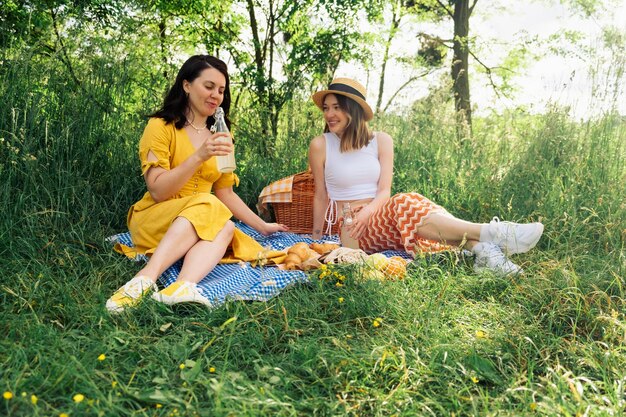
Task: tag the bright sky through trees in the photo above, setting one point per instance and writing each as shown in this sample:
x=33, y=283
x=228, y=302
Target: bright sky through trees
x=580, y=76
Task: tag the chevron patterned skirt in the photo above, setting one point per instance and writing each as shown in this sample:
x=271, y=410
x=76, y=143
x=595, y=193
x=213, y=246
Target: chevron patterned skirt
x=394, y=226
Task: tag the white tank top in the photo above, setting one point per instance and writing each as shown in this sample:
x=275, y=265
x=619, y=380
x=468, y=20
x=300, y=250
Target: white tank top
x=351, y=175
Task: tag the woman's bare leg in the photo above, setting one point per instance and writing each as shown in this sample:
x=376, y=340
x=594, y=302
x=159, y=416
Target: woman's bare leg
x=204, y=255
x=179, y=238
x=448, y=229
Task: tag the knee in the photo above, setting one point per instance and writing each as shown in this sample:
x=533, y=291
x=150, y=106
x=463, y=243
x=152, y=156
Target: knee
x=229, y=230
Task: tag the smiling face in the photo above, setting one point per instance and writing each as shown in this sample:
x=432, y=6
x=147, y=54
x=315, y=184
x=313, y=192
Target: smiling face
x=206, y=93
x=336, y=118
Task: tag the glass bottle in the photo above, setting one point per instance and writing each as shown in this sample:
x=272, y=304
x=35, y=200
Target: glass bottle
x=344, y=234
x=225, y=163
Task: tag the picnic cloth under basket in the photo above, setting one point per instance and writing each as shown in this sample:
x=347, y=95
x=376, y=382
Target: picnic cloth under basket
x=292, y=200
x=242, y=281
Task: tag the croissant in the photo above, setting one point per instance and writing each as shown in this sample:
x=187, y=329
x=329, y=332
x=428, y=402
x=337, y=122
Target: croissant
x=297, y=254
x=301, y=249
x=323, y=248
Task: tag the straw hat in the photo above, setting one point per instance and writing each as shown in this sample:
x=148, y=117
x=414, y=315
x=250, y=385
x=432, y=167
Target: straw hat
x=345, y=87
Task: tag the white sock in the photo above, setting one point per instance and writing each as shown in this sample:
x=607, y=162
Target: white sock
x=485, y=235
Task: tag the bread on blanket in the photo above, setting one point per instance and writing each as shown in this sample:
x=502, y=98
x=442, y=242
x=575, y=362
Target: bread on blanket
x=323, y=248
x=297, y=254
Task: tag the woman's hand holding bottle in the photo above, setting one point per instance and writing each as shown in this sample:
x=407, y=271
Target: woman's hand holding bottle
x=214, y=146
x=360, y=221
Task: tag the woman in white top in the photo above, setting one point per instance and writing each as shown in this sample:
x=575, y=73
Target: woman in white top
x=352, y=164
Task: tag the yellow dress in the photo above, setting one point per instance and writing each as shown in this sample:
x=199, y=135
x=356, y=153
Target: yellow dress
x=148, y=220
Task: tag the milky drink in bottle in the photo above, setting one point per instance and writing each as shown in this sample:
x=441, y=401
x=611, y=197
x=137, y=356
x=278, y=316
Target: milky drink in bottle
x=347, y=241
x=225, y=163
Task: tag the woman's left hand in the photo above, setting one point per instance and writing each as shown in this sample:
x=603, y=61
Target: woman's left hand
x=360, y=223
x=270, y=228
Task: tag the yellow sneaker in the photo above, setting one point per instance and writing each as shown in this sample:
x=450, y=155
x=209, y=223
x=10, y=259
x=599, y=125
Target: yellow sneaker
x=181, y=292
x=130, y=294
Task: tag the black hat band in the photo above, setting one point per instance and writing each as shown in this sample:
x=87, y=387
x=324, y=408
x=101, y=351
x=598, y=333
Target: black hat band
x=346, y=89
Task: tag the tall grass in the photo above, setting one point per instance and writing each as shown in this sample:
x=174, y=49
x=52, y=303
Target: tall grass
x=550, y=342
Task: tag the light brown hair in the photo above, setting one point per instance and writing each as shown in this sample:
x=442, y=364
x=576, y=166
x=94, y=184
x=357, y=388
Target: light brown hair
x=357, y=133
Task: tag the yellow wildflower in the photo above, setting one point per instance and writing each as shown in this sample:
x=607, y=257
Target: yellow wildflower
x=338, y=284
x=102, y=357
x=113, y=384
x=341, y=299
x=7, y=395
x=212, y=370
x=181, y=366
x=78, y=398
x=377, y=322
x=533, y=406
x=64, y=415
x=475, y=380
x=157, y=405
x=480, y=334
x=34, y=399
x=23, y=393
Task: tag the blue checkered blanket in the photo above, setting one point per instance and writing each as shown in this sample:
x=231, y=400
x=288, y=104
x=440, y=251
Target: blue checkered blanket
x=242, y=281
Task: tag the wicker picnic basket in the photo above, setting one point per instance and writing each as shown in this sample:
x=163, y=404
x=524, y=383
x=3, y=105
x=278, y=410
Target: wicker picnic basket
x=298, y=215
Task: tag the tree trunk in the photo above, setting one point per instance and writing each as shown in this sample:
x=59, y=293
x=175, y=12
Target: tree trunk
x=259, y=78
x=162, y=41
x=460, y=75
x=395, y=22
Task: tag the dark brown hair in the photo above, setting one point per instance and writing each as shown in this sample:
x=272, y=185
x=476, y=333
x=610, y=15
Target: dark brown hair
x=176, y=100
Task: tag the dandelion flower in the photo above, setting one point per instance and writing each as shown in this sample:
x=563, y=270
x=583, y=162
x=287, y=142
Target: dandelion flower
x=212, y=370
x=338, y=284
x=64, y=415
x=475, y=380
x=102, y=357
x=480, y=334
x=7, y=395
x=341, y=299
x=113, y=384
x=34, y=399
x=158, y=405
x=377, y=322
x=78, y=398
x=181, y=366
x=533, y=406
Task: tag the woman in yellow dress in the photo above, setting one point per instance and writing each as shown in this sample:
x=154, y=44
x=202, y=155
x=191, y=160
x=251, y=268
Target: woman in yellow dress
x=179, y=217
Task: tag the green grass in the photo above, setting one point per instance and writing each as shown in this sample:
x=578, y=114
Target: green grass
x=550, y=342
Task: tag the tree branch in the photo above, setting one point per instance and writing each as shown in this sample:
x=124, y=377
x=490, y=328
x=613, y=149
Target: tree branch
x=437, y=39
x=403, y=86
x=471, y=8
x=446, y=8
x=489, y=71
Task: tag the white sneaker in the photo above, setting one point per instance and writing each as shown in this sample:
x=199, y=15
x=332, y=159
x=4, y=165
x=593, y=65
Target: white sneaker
x=489, y=257
x=512, y=238
x=130, y=294
x=181, y=292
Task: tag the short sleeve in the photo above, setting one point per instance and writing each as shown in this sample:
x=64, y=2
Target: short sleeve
x=157, y=137
x=226, y=180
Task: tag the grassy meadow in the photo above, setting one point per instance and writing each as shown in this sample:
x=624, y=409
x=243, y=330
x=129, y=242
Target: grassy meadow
x=442, y=342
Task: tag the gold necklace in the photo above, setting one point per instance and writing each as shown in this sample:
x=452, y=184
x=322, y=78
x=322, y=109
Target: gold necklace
x=197, y=129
